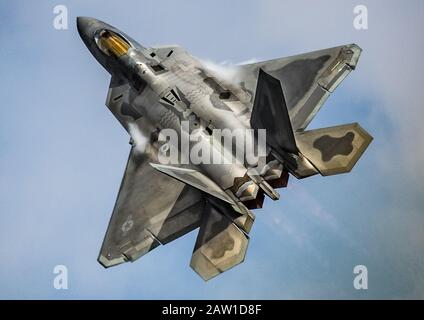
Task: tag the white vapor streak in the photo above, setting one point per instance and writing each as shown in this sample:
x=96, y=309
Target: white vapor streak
x=225, y=70
x=139, y=139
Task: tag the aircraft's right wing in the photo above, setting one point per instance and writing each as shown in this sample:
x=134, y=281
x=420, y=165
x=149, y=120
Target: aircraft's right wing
x=307, y=79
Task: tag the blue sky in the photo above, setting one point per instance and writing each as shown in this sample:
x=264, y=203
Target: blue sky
x=62, y=154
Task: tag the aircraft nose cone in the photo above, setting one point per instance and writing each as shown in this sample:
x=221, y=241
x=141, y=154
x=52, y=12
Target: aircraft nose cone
x=86, y=28
x=83, y=23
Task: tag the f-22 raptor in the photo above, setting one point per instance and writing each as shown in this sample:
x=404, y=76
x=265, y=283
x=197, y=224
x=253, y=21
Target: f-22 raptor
x=158, y=88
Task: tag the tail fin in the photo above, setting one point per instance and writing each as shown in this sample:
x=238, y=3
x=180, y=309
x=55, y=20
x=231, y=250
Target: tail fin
x=270, y=112
x=334, y=150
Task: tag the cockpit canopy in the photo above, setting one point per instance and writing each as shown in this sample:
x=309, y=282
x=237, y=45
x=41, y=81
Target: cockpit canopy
x=112, y=43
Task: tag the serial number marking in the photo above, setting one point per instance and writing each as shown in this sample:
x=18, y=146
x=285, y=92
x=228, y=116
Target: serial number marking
x=214, y=309
x=235, y=309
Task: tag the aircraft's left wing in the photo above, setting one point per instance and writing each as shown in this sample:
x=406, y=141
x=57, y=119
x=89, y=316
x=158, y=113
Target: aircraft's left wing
x=151, y=209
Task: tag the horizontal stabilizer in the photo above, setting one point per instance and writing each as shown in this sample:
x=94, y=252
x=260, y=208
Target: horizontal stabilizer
x=334, y=150
x=220, y=244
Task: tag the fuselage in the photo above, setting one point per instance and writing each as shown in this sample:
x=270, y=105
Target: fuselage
x=190, y=99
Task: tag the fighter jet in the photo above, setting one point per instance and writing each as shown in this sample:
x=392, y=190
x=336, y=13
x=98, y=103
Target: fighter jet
x=153, y=89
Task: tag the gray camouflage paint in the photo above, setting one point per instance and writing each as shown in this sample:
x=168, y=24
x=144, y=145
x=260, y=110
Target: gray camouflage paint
x=157, y=88
x=331, y=147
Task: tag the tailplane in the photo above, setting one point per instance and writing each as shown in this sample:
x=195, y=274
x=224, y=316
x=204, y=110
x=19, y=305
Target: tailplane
x=334, y=150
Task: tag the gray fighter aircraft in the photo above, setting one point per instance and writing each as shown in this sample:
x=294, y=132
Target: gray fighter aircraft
x=156, y=88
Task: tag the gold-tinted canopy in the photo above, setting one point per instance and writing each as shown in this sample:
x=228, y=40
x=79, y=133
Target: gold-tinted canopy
x=112, y=43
